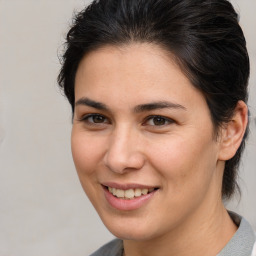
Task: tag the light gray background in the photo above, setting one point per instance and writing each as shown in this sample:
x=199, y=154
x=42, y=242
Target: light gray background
x=43, y=210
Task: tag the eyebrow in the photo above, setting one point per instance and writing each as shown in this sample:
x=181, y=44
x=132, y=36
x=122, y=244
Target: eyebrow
x=157, y=105
x=137, y=109
x=91, y=103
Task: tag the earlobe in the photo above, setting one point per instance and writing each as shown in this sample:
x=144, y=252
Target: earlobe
x=233, y=132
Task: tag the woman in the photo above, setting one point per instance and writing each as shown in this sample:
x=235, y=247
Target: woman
x=158, y=90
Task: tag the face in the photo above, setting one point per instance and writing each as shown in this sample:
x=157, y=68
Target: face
x=142, y=142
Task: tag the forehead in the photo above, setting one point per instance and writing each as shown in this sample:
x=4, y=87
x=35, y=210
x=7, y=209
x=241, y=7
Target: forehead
x=126, y=60
x=135, y=72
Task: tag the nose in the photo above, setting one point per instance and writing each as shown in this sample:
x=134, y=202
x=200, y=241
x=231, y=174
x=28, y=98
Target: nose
x=123, y=153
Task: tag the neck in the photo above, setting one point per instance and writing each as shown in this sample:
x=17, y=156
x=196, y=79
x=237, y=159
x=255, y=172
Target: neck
x=200, y=235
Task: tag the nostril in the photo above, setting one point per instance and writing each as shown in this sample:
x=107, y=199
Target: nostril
x=123, y=162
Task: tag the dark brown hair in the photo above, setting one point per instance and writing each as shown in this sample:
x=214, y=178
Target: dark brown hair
x=204, y=36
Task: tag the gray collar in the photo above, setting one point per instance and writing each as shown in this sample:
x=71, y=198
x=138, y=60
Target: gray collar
x=241, y=244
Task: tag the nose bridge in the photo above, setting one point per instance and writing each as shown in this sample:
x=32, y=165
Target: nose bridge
x=123, y=153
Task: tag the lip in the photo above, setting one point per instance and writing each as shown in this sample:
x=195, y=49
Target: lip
x=127, y=204
x=126, y=186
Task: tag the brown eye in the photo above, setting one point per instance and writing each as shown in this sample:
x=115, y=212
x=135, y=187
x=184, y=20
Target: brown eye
x=95, y=119
x=98, y=119
x=158, y=121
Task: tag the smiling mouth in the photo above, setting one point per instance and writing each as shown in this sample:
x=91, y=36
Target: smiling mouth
x=130, y=193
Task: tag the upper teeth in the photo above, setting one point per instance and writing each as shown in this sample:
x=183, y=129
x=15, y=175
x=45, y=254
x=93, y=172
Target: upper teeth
x=129, y=193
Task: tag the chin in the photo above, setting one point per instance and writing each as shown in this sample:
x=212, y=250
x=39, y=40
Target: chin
x=130, y=235
x=126, y=229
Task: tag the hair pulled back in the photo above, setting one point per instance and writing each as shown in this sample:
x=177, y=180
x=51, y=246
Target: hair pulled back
x=203, y=35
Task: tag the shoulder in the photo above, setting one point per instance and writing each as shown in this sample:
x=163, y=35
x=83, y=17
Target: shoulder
x=113, y=248
x=243, y=241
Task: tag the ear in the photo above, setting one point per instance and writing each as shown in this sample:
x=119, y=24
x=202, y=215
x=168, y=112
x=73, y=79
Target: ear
x=233, y=132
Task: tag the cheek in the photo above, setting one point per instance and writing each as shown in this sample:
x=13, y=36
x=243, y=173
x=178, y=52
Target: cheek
x=85, y=151
x=187, y=171
x=185, y=162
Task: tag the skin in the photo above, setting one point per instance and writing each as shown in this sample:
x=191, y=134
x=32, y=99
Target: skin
x=179, y=154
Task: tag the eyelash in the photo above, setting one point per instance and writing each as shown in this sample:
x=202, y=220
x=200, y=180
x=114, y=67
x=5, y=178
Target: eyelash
x=166, y=120
x=86, y=119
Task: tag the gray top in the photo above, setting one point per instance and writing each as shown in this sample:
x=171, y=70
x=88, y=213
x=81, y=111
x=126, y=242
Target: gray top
x=241, y=244
x=113, y=248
